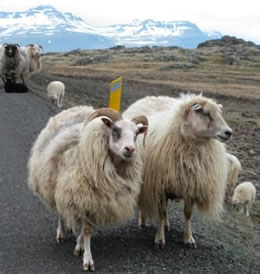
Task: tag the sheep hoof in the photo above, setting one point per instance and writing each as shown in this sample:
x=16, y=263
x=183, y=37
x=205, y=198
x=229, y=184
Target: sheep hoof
x=60, y=238
x=89, y=266
x=78, y=251
x=191, y=245
x=160, y=245
x=143, y=226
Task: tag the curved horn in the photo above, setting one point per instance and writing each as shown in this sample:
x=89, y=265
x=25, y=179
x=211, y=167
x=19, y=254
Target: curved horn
x=41, y=47
x=141, y=120
x=109, y=112
x=17, y=45
x=30, y=45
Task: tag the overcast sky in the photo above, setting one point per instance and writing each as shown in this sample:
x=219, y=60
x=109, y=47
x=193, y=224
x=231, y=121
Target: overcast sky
x=232, y=17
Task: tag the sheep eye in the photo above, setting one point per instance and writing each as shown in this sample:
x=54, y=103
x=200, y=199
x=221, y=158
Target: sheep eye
x=116, y=132
x=207, y=114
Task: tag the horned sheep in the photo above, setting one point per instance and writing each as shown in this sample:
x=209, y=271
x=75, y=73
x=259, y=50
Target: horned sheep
x=184, y=158
x=88, y=171
x=56, y=91
x=243, y=197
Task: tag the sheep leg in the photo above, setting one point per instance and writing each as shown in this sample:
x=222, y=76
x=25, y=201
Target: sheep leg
x=188, y=238
x=167, y=222
x=160, y=236
x=246, y=209
x=88, y=263
x=80, y=244
x=142, y=221
x=60, y=101
x=60, y=236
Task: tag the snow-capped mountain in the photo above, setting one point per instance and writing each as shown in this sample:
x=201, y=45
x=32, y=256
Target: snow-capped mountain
x=58, y=31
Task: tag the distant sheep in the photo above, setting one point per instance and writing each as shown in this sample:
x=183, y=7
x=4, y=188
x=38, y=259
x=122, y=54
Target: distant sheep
x=33, y=51
x=184, y=158
x=243, y=197
x=88, y=171
x=56, y=91
x=13, y=62
x=234, y=167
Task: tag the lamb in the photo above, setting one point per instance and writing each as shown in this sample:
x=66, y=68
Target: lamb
x=184, y=158
x=243, y=197
x=56, y=91
x=89, y=172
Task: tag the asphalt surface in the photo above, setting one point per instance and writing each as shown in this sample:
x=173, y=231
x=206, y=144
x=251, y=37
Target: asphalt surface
x=25, y=225
x=28, y=230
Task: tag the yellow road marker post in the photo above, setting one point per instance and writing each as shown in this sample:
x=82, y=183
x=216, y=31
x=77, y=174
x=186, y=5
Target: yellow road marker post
x=115, y=93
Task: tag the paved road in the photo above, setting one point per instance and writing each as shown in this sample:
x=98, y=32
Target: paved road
x=26, y=228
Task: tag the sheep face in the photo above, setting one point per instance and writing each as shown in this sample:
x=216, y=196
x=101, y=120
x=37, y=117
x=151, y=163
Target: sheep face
x=53, y=98
x=122, y=141
x=35, y=50
x=206, y=121
x=11, y=49
x=237, y=205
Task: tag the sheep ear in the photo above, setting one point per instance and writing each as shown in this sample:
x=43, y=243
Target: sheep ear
x=142, y=129
x=107, y=122
x=196, y=107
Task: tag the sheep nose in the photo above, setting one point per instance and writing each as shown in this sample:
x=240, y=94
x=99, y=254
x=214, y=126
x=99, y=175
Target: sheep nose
x=228, y=133
x=130, y=149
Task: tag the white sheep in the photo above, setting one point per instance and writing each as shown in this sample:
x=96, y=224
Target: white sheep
x=56, y=91
x=88, y=172
x=33, y=51
x=243, y=197
x=184, y=159
x=149, y=105
x=234, y=167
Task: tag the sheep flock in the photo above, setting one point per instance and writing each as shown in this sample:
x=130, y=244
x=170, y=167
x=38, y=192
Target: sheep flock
x=96, y=167
x=19, y=63
x=99, y=167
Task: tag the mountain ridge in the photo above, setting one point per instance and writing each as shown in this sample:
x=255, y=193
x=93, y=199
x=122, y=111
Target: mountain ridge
x=63, y=31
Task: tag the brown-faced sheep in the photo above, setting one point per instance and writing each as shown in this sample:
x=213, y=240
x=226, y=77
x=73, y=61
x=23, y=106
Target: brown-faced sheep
x=243, y=197
x=88, y=172
x=184, y=159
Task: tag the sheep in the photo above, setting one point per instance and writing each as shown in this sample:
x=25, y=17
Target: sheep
x=89, y=172
x=33, y=51
x=56, y=91
x=13, y=63
x=184, y=158
x=149, y=105
x=234, y=167
x=243, y=197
